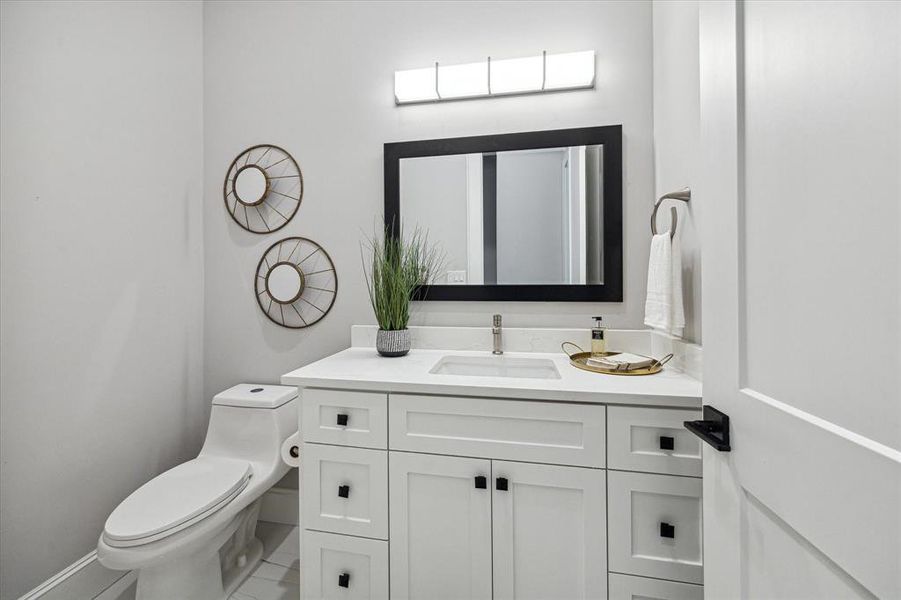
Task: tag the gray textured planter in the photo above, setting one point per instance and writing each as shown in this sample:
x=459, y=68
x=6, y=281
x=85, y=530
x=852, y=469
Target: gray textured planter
x=393, y=343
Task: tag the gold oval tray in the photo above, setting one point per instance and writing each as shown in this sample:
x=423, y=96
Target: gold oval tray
x=579, y=360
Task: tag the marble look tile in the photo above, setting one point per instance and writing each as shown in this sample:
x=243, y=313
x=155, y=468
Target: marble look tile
x=274, y=572
x=256, y=588
x=515, y=339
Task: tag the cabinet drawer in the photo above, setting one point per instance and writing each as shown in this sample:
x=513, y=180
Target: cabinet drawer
x=638, y=439
x=654, y=525
x=345, y=490
x=339, y=566
x=546, y=432
x=345, y=418
x=629, y=587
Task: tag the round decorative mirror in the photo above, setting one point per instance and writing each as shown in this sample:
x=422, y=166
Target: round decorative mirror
x=251, y=185
x=284, y=282
x=263, y=188
x=296, y=282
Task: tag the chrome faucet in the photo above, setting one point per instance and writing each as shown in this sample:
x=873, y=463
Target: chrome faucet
x=496, y=334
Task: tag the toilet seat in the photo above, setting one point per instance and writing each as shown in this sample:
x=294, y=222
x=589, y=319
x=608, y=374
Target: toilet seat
x=176, y=499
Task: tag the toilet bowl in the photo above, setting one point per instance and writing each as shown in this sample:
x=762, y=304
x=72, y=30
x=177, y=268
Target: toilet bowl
x=189, y=532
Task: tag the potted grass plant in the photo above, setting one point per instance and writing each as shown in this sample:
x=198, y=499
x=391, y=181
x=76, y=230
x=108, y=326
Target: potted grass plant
x=398, y=265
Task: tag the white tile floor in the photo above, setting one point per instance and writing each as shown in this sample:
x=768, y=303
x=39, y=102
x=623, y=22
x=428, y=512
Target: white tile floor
x=277, y=577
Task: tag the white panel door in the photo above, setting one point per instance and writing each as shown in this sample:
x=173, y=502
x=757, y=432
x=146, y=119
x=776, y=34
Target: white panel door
x=440, y=527
x=549, y=532
x=800, y=193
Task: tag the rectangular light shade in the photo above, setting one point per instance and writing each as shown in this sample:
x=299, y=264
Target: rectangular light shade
x=463, y=81
x=415, y=85
x=516, y=75
x=533, y=74
x=571, y=70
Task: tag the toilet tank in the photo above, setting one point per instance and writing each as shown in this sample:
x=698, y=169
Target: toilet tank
x=250, y=421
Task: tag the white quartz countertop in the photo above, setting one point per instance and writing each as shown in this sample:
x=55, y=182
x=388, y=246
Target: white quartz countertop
x=362, y=368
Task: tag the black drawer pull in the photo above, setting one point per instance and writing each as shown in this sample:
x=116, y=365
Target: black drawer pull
x=713, y=429
x=342, y=419
x=502, y=484
x=667, y=442
x=667, y=530
x=481, y=482
x=344, y=580
x=343, y=491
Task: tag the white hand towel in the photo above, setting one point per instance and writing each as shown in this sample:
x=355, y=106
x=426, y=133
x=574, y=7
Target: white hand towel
x=663, y=308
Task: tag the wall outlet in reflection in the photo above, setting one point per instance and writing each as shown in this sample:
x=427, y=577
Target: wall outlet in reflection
x=456, y=277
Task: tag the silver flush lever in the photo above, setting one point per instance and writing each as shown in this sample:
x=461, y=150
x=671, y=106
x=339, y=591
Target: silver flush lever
x=496, y=334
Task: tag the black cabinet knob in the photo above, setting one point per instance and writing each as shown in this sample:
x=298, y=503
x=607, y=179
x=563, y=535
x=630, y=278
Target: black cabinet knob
x=667, y=442
x=502, y=484
x=343, y=491
x=342, y=419
x=481, y=482
x=344, y=580
x=667, y=530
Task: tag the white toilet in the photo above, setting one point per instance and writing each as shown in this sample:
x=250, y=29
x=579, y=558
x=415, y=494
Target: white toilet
x=189, y=532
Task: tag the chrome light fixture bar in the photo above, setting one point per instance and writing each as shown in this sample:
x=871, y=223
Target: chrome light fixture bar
x=529, y=75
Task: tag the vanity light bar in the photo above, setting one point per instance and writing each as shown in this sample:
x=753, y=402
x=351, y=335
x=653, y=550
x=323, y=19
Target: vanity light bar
x=529, y=75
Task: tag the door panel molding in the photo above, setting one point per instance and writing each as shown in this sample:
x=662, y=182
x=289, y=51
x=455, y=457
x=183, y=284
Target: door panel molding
x=839, y=490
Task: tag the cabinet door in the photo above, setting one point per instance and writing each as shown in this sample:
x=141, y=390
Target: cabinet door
x=550, y=533
x=440, y=523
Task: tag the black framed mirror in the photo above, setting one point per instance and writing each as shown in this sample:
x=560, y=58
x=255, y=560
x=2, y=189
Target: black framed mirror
x=519, y=216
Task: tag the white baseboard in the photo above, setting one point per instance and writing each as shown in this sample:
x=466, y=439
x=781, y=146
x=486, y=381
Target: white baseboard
x=87, y=579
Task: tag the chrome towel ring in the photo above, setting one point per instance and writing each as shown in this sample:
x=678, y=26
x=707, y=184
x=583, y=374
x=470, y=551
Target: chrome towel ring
x=683, y=195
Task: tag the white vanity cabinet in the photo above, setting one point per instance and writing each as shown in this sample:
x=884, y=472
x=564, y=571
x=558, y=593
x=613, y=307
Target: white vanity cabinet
x=429, y=497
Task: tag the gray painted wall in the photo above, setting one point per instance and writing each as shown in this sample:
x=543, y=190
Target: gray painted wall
x=677, y=138
x=101, y=281
x=325, y=92
x=433, y=197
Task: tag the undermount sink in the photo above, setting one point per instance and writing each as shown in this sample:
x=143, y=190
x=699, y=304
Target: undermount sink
x=496, y=366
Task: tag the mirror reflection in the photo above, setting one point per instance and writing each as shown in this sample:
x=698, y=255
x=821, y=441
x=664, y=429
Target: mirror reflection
x=251, y=185
x=285, y=283
x=513, y=217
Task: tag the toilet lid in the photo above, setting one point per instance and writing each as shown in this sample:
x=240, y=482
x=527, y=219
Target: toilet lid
x=177, y=498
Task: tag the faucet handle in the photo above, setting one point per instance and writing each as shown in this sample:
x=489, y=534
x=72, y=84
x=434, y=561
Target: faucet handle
x=496, y=321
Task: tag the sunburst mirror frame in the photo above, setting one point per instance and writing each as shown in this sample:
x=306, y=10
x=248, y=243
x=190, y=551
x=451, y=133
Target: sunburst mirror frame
x=283, y=189
x=317, y=288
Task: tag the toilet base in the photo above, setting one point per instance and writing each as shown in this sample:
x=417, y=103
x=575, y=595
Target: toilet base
x=237, y=576
x=195, y=579
x=198, y=577
x=211, y=574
